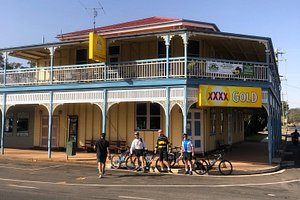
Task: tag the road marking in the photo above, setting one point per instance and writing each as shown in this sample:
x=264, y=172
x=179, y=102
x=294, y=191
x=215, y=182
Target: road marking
x=128, y=197
x=22, y=186
x=26, y=169
x=154, y=186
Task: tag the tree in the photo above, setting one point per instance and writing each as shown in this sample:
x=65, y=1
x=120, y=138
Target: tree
x=293, y=116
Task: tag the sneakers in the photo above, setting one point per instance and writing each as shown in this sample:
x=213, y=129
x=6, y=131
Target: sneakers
x=186, y=172
x=191, y=173
x=169, y=171
x=100, y=176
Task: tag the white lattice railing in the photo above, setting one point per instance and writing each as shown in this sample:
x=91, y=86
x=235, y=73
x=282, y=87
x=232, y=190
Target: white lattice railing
x=142, y=69
x=136, y=95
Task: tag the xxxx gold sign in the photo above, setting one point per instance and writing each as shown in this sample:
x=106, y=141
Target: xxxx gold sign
x=228, y=96
x=97, y=47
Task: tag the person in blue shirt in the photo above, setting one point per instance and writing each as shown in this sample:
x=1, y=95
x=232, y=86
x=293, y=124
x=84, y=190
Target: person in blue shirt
x=187, y=152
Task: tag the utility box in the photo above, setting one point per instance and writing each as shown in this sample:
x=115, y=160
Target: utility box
x=71, y=148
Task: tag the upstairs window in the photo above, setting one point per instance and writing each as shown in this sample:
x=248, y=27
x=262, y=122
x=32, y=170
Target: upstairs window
x=162, y=50
x=81, y=56
x=193, y=48
x=147, y=116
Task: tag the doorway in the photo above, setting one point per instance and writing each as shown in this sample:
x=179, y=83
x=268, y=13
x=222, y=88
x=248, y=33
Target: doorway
x=195, y=129
x=44, y=132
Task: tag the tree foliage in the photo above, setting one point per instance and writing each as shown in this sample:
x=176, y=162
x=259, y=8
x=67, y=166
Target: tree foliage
x=293, y=116
x=255, y=123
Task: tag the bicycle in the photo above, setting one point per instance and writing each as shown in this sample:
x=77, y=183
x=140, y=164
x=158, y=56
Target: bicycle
x=174, y=156
x=132, y=162
x=225, y=166
x=118, y=159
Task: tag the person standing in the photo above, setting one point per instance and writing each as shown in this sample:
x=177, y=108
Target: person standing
x=102, y=150
x=137, y=148
x=162, y=149
x=295, y=137
x=187, y=152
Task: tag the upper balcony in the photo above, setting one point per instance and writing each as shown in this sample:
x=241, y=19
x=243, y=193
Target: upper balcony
x=140, y=69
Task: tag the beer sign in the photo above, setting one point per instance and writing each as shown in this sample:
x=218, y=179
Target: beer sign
x=229, y=96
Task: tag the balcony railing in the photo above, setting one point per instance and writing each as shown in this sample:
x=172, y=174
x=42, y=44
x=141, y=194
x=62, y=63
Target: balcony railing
x=143, y=69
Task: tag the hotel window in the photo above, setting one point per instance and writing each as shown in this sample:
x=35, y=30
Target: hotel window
x=222, y=120
x=114, y=53
x=193, y=48
x=147, y=116
x=81, y=56
x=212, y=121
x=162, y=49
x=22, y=124
x=9, y=124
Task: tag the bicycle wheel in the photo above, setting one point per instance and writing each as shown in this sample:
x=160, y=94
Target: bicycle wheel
x=172, y=159
x=131, y=162
x=115, y=161
x=200, y=166
x=225, y=167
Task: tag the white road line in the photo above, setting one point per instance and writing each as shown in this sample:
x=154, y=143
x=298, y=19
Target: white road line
x=154, y=186
x=128, y=197
x=22, y=186
x=26, y=169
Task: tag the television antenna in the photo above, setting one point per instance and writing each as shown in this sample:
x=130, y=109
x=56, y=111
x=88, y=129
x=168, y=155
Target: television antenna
x=95, y=12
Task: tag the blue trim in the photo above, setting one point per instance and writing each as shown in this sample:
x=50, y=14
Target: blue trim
x=195, y=81
x=167, y=55
x=104, y=111
x=3, y=123
x=269, y=128
x=50, y=124
x=185, y=111
x=167, y=111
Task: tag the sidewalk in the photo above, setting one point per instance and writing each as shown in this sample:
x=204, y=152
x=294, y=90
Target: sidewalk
x=246, y=158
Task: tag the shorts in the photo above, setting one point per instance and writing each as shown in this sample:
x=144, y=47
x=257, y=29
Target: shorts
x=187, y=156
x=139, y=152
x=163, y=155
x=101, y=158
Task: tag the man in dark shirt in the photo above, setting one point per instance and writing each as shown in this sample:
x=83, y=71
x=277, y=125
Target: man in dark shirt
x=162, y=149
x=102, y=152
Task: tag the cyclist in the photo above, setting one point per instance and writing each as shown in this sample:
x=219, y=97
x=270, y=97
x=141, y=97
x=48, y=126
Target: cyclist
x=137, y=148
x=187, y=152
x=162, y=149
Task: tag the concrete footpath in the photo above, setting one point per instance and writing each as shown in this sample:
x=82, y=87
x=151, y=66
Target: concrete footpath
x=246, y=158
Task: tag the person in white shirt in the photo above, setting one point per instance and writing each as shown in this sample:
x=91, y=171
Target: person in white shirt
x=137, y=148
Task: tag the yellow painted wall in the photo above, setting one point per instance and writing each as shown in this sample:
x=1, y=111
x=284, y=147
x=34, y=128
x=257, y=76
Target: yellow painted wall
x=89, y=122
x=121, y=125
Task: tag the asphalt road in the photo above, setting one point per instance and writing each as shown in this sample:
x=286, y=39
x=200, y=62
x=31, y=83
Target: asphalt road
x=40, y=180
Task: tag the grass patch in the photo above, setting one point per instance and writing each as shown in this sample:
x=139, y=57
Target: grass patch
x=256, y=137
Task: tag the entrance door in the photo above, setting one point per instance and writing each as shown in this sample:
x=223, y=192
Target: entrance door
x=230, y=126
x=44, y=132
x=194, y=129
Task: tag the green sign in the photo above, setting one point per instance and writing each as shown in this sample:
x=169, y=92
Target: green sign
x=248, y=70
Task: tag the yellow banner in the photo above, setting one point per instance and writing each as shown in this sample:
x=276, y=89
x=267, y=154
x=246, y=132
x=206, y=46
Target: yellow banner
x=97, y=47
x=228, y=96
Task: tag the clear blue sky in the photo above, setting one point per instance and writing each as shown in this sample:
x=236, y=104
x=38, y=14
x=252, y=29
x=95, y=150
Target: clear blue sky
x=24, y=22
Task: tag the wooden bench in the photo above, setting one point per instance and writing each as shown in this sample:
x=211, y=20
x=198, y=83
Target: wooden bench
x=89, y=145
x=114, y=146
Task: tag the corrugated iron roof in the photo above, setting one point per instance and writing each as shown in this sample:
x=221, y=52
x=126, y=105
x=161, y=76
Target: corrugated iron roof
x=155, y=22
